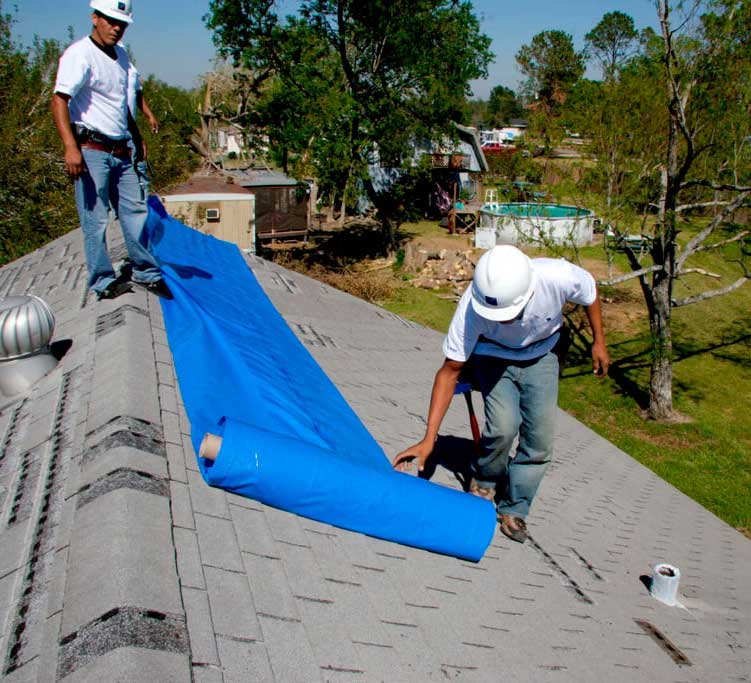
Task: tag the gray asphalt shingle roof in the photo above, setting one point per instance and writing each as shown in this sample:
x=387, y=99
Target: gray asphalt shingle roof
x=117, y=561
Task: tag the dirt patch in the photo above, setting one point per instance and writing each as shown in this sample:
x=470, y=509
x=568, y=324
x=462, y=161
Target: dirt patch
x=439, y=242
x=447, y=262
x=345, y=259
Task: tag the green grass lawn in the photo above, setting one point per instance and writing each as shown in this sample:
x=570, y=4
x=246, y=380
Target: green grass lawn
x=708, y=456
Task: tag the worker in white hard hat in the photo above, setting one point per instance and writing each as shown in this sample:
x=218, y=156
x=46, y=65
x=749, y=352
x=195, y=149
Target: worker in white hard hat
x=98, y=131
x=508, y=324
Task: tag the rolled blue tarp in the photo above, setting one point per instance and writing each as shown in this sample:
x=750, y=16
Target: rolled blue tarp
x=290, y=438
x=286, y=473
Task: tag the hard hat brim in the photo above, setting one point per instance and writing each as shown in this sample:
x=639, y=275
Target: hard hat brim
x=500, y=314
x=117, y=16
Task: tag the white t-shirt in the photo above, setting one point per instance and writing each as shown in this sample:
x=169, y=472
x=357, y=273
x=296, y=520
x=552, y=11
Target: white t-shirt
x=98, y=87
x=556, y=281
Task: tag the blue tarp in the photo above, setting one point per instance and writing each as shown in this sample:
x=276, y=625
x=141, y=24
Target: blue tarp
x=290, y=438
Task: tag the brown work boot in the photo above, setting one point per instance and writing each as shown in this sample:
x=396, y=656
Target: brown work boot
x=513, y=527
x=476, y=490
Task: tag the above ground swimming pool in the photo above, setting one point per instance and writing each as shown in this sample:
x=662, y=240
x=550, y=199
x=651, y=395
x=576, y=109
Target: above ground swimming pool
x=527, y=223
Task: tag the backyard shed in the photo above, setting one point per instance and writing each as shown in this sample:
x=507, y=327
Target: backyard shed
x=215, y=205
x=281, y=204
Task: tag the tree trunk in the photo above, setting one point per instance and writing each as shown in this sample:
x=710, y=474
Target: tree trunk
x=661, y=377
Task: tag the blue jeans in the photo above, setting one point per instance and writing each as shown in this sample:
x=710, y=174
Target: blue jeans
x=142, y=170
x=110, y=180
x=520, y=398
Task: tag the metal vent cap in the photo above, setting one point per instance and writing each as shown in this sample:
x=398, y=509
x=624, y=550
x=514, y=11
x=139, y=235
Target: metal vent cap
x=26, y=326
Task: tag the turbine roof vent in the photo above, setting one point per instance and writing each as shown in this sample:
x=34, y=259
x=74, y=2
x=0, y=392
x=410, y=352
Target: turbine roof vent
x=26, y=326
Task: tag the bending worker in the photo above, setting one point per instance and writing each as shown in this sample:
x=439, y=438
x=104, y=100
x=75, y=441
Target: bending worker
x=507, y=323
x=90, y=109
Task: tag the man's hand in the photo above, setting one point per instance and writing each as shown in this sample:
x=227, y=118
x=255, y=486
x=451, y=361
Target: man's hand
x=74, y=164
x=420, y=451
x=153, y=123
x=600, y=359
x=73, y=159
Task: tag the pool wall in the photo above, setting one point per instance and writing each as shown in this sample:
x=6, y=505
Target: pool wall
x=517, y=223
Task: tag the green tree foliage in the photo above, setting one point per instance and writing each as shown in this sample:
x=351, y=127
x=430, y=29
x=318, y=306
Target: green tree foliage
x=611, y=42
x=478, y=113
x=552, y=67
x=354, y=83
x=502, y=106
x=170, y=156
x=36, y=200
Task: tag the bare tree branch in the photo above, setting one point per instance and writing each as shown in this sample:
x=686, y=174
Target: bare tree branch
x=713, y=293
x=716, y=245
x=699, y=205
x=630, y=276
x=700, y=271
x=694, y=244
x=715, y=186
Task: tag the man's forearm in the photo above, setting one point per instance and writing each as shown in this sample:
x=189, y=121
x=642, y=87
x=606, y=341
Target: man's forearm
x=594, y=315
x=440, y=398
x=135, y=134
x=600, y=356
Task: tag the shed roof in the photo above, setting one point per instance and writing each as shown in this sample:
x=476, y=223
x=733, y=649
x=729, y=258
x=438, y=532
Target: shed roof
x=472, y=137
x=208, y=184
x=118, y=562
x=263, y=178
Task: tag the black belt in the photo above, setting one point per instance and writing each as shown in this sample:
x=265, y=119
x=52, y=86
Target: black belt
x=86, y=135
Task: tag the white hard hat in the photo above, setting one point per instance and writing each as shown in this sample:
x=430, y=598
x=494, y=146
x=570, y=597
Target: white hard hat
x=122, y=10
x=502, y=284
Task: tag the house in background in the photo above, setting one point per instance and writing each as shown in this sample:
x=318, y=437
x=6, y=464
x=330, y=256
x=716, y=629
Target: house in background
x=456, y=164
x=229, y=141
x=457, y=168
x=502, y=140
x=215, y=205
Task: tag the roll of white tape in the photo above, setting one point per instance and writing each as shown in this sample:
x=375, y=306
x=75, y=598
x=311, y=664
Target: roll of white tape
x=665, y=580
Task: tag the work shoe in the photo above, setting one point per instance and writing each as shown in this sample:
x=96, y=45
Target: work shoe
x=476, y=490
x=513, y=527
x=113, y=290
x=158, y=287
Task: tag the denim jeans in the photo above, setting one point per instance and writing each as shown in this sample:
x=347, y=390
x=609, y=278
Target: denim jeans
x=142, y=170
x=110, y=180
x=520, y=398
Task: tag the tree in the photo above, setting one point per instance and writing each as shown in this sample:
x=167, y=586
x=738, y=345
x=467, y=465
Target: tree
x=36, y=201
x=502, y=106
x=611, y=42
x=695, y=169
x=355, y=83
x=552, y=67
x=171, y=158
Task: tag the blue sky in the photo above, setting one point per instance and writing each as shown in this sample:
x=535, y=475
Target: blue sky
x=169, y=39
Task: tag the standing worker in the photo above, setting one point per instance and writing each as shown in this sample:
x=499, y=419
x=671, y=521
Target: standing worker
x=508, y=323
x=90, y=108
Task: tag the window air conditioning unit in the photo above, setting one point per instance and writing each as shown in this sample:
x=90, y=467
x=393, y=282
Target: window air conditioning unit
x=212, y=214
